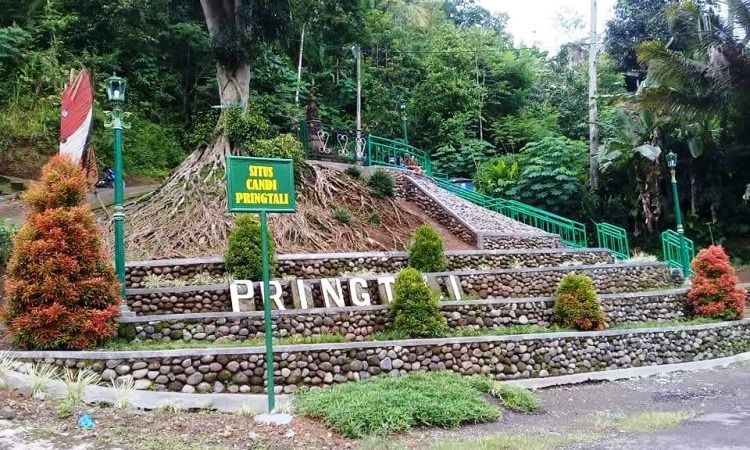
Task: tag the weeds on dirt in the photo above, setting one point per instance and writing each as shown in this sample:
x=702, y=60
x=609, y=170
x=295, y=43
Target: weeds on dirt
x=168, y=407
x=7, y=363
x=39, y=375
x=125, y=345
x=653, y=420
x=122, y=390
x=247, y=410
x=387, y=404
x=512, y=397
x=77, y=382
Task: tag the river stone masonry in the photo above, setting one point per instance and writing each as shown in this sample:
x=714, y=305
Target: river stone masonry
x=359, y=323
x=541, y=282
x=337, y=264
x=317, y=365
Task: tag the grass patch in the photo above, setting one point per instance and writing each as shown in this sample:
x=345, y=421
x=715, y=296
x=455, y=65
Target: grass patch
x=125, y=345
x=385, y=405
x=653, y=421
x=664, y=323
x=517, y=442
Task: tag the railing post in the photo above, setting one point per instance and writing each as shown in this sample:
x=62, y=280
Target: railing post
x=368, y=158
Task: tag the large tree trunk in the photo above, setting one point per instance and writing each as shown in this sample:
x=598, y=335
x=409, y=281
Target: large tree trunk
x=187, y=214
x=649, y=192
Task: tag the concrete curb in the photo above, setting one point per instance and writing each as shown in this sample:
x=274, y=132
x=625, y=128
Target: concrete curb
x=636, y=372
x=153, y=399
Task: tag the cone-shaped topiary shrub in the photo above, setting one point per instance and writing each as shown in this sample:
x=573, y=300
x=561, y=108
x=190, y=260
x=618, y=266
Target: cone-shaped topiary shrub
x=426, y=252
x=243, y=258
x=415, y=309
x=715, y=293
x=576, y=303
x=60, y=290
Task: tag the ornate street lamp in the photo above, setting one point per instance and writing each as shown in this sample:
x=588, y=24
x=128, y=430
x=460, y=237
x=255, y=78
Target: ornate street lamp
x=116, y=88
x=403, y=121
x=684, y=259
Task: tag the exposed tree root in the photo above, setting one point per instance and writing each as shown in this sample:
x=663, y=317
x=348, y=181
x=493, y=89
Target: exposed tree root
x=186, y=216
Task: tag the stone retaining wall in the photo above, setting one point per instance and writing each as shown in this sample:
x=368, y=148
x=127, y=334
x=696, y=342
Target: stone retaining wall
x=608, y=278
x=359, y=323
x=438, y=212
x=509, y=241
x=337, y=264
x=317, y=365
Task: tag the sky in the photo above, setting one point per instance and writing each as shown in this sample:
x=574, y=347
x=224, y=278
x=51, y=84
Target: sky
x=538, y=22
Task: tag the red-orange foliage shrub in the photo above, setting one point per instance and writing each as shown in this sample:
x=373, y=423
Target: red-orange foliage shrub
x=715, y=293
x=60, y=289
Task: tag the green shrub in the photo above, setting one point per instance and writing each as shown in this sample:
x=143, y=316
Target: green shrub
x=243, y=257
x=282, y=146
x=381, y=184
x=387, y=404
x=342, y=214
x=426, y=253
x=6, y=241
x=415, y=309
x=245, y=127
x=354, y=172
x=374, y=219
x=576, y=303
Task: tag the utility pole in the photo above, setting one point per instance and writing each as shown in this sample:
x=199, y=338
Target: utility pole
x=358, y=55
x=299, y=65
x=593, y=112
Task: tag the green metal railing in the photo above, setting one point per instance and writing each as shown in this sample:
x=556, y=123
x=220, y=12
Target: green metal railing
x=670, y=245
x=387, y=152
x=571, y=232
x=613, y=238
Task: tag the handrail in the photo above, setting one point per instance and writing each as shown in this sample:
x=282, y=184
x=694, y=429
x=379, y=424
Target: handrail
x=571, y=232
x=671, y=250
x=614, y=239
x=387, y=152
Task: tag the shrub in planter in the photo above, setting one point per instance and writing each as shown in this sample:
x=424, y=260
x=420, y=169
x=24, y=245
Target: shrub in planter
x=381, y=184
x=242, y=258
x=714, y=292
x=415, y=309
x=426, y=252
x=576, y=303
x=60, y=290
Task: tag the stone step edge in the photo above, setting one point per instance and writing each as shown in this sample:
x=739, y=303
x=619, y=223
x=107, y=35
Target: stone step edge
x=355, y=255
x=361, y=345
x=633, y=372
x=346, y=309
x=216, y=287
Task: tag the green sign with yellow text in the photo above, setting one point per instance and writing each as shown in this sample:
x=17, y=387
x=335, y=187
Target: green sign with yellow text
x=260, y=184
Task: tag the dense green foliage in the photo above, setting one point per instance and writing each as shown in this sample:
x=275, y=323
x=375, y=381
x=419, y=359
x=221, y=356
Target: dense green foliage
x=550, y=174
x=388, y=404
x=426, y=252
x=577, y=305
x=472, y=99
x=381, y=184
x=243, y=257
x=7, y=230
x=415, y=310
